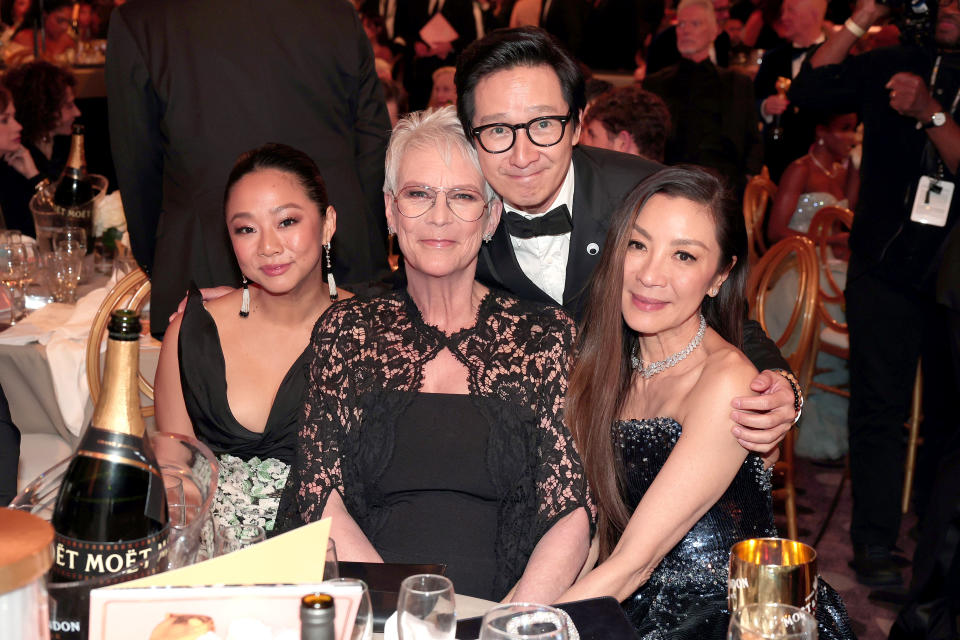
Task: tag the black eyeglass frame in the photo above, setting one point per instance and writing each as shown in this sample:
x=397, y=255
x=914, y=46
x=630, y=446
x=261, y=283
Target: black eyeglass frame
x=476, y=131
x=437, y=191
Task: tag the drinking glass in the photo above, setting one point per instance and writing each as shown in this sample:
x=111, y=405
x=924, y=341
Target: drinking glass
x=235, y=537
x=173, y=486
x=331, y=570
x=425, y=608
x=772, y=570
x=188, y=543
x=71, y=239
x=64, y=271
x=13, y=275
x=362, y=628
x=771, y=621
x=524, y=621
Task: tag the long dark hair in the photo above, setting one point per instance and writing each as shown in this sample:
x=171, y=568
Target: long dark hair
x=601, y=372
x=39, y=91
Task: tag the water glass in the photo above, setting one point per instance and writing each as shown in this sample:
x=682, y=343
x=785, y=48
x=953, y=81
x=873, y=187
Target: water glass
x=173, y=487
x=426, y=609
x=331, y=570
x=524, y=621
x=64, y=274
x=71, y=239
x=362, y=628
x=771, y=621
x=232, y=538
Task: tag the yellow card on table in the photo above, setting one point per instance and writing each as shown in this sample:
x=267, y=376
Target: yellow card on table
x=295, y=557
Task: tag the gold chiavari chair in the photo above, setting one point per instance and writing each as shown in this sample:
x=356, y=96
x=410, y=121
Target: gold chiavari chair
x=757, y=200
x=797, y=254
x=827, y=230
x=132, y=292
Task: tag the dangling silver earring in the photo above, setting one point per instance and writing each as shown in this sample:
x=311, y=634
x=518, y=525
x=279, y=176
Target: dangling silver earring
x=391, y=231
x=331, y=283
x=820, y=142
x=245, y=299
x=487, y=237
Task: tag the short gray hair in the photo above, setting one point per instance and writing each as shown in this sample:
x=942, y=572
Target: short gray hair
x=430, y=129
x=706, y=4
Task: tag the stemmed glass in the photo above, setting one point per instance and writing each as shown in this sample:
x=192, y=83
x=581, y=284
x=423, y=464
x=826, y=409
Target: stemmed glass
x=13, y=275
x=524, y=621
x=64, y=268
x=426, y=609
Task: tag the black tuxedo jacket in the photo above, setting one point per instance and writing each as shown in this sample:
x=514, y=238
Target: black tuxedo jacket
x=798, y=124
x=193, y=84
x=564, y=19
x=602, y=180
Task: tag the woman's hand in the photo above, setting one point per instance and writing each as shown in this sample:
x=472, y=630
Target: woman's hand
x=21, y=160
x=764, y=420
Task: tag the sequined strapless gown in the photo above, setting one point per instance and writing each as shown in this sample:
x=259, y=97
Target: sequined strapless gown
x=686, y=596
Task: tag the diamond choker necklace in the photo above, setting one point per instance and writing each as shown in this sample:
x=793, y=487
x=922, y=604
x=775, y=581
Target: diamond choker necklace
x=654, y=368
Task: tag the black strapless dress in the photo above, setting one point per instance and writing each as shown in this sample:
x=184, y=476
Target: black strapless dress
x=686, y=596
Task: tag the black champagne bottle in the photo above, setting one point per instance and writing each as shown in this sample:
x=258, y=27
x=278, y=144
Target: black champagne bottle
x=73, y=195
x=111, y=512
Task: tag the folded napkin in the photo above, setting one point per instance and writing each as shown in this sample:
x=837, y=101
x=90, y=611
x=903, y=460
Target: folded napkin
x=39, y=325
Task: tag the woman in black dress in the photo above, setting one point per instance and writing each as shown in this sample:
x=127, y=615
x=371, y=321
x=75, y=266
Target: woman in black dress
x=434, y=426
x=19, y=176
x=232, y=371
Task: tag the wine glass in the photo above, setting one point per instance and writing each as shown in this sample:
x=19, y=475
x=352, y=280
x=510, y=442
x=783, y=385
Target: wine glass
x=64, y=267
x=771, y=621
x=13, y=274
x=363, y=620
x=524, y=621
x=235, y=537
x=425, y=608
x=71, y=239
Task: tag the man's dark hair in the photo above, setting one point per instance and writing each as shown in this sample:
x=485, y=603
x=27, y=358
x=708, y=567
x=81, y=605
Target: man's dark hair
x=508, y=48
x=642, y=114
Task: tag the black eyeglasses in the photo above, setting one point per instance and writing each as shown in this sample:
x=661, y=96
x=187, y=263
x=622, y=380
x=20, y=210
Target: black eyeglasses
x=499, y=137
x=414, y=201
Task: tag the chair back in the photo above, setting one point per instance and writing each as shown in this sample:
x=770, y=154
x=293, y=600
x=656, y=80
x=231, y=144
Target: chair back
x=792, y=261
x=757, y=200
x=828, y=230
x=131, y=292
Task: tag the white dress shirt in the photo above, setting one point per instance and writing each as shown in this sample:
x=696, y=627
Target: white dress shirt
x=544, y=259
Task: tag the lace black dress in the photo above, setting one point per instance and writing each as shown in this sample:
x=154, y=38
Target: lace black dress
x=366, y=371
x=686, y=596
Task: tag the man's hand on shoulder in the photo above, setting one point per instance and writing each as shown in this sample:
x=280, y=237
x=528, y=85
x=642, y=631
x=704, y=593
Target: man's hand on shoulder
x=763, y=420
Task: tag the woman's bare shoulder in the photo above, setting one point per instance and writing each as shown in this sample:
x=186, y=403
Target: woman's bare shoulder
x=726, y=374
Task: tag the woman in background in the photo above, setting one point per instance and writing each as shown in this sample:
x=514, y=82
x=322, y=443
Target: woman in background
x=19, y=176
x=57, y=19
x=43, y=93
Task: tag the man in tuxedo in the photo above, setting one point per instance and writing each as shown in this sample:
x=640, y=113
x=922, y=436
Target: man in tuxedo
x=712, y=109
x=191, y=85
x=564, y=19
x=802, y=22
x=558, y=197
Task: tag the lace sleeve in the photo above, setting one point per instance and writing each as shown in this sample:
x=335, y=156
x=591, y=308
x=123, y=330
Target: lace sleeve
x=327, y=415
x=561, y=484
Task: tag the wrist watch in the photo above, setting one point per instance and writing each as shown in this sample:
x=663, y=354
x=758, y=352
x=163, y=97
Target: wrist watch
x=936, y=120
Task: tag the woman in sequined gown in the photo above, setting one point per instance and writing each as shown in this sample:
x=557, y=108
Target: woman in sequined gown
x=825, y=176
x=674, y=489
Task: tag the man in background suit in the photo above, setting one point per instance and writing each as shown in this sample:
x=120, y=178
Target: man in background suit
x=564, y=19
x=802, y=22
x=663, y=49
x=558, y=198
x=191, y=85
x=712, y=110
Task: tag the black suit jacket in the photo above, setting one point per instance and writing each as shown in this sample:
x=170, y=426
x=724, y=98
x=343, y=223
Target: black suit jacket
x=602, y=180
x=565, y=19
x=193, y=84
x=798, y=124
x=663, y=50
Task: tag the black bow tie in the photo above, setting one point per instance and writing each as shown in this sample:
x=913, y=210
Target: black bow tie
x=553, y=223
x=799, y=51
